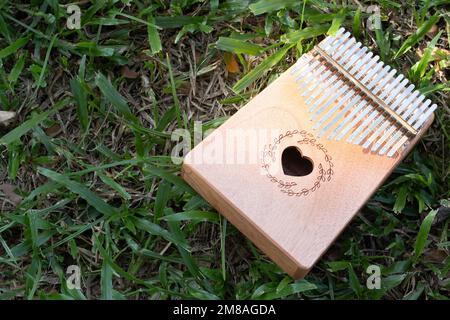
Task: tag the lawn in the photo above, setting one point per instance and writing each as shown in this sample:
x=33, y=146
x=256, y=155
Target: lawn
x=86, y=176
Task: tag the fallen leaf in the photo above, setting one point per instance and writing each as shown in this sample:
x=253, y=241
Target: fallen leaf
x=435, y=256
x=433, y=31
x=230, y=62
x=128, y=73
x=53, y=130
x=8, y=190
x=437, y=54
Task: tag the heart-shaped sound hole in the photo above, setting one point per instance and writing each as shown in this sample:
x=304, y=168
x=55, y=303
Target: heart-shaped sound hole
x=294, y=163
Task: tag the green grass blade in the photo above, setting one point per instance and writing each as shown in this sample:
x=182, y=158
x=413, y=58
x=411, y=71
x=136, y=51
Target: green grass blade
x=79, y=189
x=157, y=230
x=261, y=69
x=153, y=36
x=422, y=236
x=80, y=96
x=115, y=186
x=16, y=70
x=114, y=97
x=223, y=236
x=238, y=46
x=356, y=28
x=193, y=216
x=13, y=47
x=337, y=22
x=265, y=6
x=416, y=37
x=173, y=88
x=26, y=126
x=306, y=33
x=106, y=281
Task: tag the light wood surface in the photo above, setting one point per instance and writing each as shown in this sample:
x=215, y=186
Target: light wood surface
x=293, y=230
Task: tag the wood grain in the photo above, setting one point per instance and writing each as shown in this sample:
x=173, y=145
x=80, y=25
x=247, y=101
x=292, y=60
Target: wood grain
x=293, y=230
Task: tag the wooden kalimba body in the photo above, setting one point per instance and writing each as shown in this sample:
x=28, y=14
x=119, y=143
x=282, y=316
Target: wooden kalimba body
x=292, y=167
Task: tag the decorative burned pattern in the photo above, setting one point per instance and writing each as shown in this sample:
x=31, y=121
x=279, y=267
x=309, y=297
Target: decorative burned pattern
x=291, y=188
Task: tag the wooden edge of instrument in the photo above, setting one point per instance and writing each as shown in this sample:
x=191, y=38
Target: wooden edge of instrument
x=400, y=158
x=262, y=240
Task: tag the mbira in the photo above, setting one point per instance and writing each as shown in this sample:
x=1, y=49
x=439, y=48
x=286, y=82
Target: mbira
x=292, y=167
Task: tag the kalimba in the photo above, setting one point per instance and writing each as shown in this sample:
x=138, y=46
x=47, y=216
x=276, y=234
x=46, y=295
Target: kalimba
x=292, y=167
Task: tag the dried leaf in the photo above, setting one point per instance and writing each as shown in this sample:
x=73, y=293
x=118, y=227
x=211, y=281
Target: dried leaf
x=230, y=62
x=435, y=256
x=53, y=130
x=128, y=73
x=8, y=190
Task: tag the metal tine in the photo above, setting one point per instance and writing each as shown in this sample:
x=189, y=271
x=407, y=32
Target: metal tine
x=338, y=45
x=394, y=88
x=408, y=101
x=389, y=77
x=391, y=141
x=383, y=138
x=364, y=69
x=326, y=46
x=314, y=88
x=382, y=127
x=380, y=117
x=330, y=39
x=349, y=52
x=418, y=112
x=396, y=146
x=377, y=133
x=353, y=69
x=372, y=125
x=357, y=119
x=312, y=75
x=328, y=102
x=333, y=46
x=372, y=72
x=306, y=71
x=367, y=121
x=415, y=105
x=317, y=83
x=387, y=134
x=323, y=86
x=358, y=55
x=352, y=114
x=418, y=124
x=355, y=100
x=337, y=54
x=335, y=86
x=333, y=110
x=300, y=63
x=379, y=76
x=423, y=118
x=306, y=63
x=403, y=99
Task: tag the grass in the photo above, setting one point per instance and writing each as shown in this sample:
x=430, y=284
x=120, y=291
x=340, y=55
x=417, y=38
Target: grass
x=85, y=171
